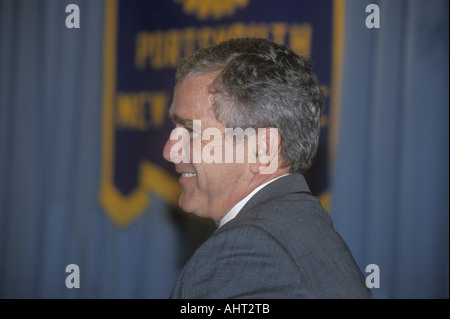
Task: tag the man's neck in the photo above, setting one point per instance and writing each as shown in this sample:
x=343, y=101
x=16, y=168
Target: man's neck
x=238, y=206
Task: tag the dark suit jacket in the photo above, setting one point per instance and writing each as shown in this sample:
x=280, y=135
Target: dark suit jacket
x=281, y=245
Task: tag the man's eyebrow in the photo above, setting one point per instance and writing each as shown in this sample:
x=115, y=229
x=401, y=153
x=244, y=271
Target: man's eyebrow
x=179, y=120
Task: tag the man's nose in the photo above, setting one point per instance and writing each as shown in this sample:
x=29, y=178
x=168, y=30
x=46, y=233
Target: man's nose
x=177, y=148
x=167, y=148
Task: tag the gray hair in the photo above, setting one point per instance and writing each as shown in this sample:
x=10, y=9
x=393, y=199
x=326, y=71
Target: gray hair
x=262, y=84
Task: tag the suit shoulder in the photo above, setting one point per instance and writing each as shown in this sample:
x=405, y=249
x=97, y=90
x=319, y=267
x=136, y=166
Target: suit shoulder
x=296, y=213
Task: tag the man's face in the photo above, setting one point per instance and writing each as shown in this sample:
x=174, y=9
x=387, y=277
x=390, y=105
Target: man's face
x=208, y=190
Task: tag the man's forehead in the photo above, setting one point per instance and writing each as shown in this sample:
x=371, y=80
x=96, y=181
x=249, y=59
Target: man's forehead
x=192, y=100
x=194, y=88
x=184, y=111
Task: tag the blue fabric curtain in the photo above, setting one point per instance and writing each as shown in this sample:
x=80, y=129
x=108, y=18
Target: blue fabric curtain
x=50, y=134
x=390, y=184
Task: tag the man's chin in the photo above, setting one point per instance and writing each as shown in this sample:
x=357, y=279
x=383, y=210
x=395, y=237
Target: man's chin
x=186, y=204
x=194, y=210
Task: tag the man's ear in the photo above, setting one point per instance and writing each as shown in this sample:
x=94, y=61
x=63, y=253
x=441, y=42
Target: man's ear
x=267, y=151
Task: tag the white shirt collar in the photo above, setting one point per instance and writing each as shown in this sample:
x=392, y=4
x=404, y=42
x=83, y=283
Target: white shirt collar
x=237, y=208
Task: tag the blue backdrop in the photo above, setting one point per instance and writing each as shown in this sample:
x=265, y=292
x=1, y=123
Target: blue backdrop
x=389, y=172
x=390, y=185
x=50, y=151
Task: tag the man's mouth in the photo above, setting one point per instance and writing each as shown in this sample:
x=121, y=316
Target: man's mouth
x=188, y=174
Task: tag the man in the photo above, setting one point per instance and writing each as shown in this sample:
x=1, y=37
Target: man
x=273, y=240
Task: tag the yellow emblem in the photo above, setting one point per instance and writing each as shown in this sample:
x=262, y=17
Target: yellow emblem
x=215, y=9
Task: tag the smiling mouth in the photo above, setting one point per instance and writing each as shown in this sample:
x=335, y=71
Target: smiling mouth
x=188, y=175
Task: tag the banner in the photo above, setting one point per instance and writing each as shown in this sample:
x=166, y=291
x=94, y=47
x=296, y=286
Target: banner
x=144, y=41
